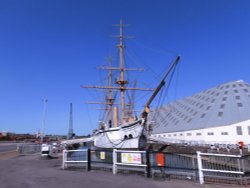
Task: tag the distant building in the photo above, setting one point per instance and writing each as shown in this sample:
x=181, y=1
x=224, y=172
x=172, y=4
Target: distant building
x=217, y=115
x=3, y=133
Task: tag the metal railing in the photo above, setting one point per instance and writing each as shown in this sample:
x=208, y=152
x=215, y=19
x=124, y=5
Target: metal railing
x=200, y=166
x=130, y=160
x=28, y=149
x=179, y=166
x=144, y=162
x=101, y=160
x=218, y=165
x=76, y=158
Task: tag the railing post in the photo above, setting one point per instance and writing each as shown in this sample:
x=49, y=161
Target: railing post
x=199, y=162
x=148, y=164
x=242, y=164
x=89, y=160
x=63, y=160
x=66, y=159
x=114, y=161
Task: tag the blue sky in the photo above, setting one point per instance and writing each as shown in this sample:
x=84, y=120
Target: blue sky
x=48, y=48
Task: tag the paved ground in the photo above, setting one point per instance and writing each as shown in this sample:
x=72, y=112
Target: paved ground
x=8, y=155
x=8, y=150
x=34, y=172
x=6, y=147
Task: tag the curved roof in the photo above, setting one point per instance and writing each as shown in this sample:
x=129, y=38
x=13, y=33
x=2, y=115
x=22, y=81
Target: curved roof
x=225, y=104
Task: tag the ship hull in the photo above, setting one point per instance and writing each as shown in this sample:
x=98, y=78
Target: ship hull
x=126, y=136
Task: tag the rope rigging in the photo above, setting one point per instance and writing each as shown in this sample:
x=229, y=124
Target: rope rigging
x=164, y=93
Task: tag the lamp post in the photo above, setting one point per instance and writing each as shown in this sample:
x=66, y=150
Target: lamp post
x=43, y=118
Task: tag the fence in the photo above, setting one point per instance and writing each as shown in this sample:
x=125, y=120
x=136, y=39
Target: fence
x=106, y=160
x=137, y=161
x=76, y=158
x=142, y=162
x=223, y=168
x=172, y=165
x=28, y=149
x=101, y=160
x=200, y=166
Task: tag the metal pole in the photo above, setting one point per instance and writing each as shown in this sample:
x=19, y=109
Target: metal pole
x=43, y=121
x=66, y=159
x=63, y=166
x=114, y=161
x=89, y=160
x=148, y=164
x=199, y=161
x=122, y=83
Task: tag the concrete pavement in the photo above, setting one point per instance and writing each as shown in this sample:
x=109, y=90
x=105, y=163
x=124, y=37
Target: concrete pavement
x=6, y=147
x=34, y=172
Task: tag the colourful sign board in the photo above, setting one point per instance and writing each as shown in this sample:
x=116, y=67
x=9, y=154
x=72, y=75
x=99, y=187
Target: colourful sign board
x=133, y=158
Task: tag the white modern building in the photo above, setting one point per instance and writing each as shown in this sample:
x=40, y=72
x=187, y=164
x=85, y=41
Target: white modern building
x=218, y=115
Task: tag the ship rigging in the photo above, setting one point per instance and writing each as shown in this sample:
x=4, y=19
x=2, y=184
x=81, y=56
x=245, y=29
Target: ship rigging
x=129, y=131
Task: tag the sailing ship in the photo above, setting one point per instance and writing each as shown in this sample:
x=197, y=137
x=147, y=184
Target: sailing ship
x=128, y=132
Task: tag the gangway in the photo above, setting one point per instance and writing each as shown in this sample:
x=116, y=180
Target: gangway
x=79, y=140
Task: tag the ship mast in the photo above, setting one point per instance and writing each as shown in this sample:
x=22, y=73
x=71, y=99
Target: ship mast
x=122, y=83
x=110, y=99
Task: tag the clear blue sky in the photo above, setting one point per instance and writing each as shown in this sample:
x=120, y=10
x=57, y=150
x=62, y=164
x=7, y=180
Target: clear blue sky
x=48, y=48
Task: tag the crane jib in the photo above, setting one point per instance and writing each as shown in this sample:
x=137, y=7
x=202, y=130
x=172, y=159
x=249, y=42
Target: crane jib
x=162, y=83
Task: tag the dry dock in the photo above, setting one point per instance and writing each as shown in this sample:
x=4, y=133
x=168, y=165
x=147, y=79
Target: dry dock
x=33, y=171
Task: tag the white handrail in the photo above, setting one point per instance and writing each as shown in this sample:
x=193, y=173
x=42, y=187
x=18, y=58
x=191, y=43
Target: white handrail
x=65, y=160
x=201, y=169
